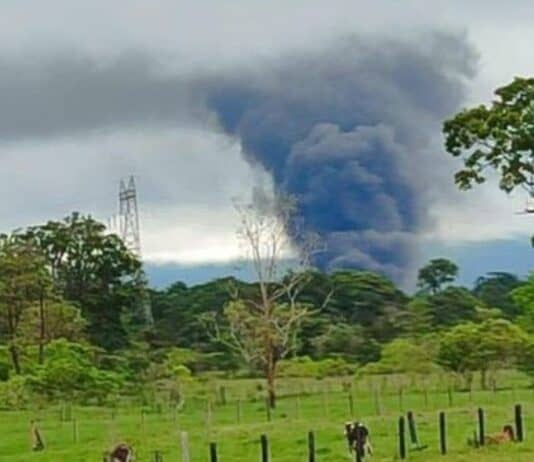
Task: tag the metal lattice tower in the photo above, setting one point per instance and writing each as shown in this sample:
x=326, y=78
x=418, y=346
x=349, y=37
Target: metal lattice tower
x=130, y=233
x=129, y=216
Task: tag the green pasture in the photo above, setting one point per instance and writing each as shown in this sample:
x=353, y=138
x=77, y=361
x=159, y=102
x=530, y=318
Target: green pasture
x=233, y=415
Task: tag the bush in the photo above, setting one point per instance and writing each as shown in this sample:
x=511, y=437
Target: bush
x=4, y=372
x=335, y=367
x=349, y=342
x=69, y=373
x=14, y=394
x=403, y=356
x=304, y=366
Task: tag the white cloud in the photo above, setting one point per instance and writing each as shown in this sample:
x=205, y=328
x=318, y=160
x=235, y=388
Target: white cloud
x=191, y=235
x=186, y=181
x=482, y=214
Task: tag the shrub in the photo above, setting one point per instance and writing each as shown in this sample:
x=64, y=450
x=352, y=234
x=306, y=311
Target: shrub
x=4, y=372
x=403, y=356
x=304, y=366
x=69, y=373
x=14, y=394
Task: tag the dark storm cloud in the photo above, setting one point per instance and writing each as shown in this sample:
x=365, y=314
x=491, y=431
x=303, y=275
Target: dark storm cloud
x=348, y=131
x=67, y=93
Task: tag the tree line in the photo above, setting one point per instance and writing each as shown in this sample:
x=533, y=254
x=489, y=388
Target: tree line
x=370, y=323
x=71, y=320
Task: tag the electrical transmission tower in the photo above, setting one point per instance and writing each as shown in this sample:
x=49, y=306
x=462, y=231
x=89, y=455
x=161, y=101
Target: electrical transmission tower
x=129, y=216
x=130, y=233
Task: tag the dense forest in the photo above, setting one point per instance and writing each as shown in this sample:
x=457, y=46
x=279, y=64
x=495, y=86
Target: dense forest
x=73, y=322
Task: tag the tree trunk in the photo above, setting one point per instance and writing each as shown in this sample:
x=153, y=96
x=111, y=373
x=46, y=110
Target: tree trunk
x=468, y=377
x=15, y=358
x=271, y=387
x=42, y=328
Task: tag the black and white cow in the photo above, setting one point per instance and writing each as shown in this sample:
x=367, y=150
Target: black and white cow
x=358, y=439
x=121, y=453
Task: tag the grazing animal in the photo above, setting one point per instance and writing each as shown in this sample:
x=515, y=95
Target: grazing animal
x=358, y=440
x=122, y=453
x=505, y=436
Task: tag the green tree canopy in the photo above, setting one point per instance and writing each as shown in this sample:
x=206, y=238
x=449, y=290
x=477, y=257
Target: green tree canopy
x=23, y=278
x=523, y=297
x=349, y=342
x=498, y=137
x=452, y=306
x=403, y=356
x=70, y=372
x=92, y=269
x=438, y=272
x=472, y=347
x=417, y=321
x=367, y=299
x=495, y=290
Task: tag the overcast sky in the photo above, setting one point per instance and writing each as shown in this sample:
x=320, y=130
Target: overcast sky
x=94, y=91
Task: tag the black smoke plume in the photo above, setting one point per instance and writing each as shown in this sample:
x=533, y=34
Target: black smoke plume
x=348, y=130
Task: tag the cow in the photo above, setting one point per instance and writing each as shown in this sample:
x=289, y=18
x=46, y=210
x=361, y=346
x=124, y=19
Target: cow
x=121, y=453
x=506, y=436
x=358, y=439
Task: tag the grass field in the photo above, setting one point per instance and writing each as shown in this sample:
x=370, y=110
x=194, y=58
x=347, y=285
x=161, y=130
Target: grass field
x=305, y=405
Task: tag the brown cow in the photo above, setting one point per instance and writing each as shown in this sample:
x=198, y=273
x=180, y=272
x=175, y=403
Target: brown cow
x=506, y=436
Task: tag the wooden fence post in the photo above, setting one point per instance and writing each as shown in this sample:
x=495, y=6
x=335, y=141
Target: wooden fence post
x=213, y=452
x=481, y=428
x=402, y=438
x=268, y=409
x=412, y=429
x=37, y=439
x=351, y=404
x=238, y=411
x=442, y=433
x=186, y=457
x=209, y=414
x=519, y=423
x=311, y=447
x=377, y=402
x=326, y=403
x=264, y=448
x=75, y=432
x=222, y=395
x=471, y=392
x=67, y=412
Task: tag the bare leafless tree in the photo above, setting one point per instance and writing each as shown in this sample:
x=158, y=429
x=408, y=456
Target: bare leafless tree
x=261, y=326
